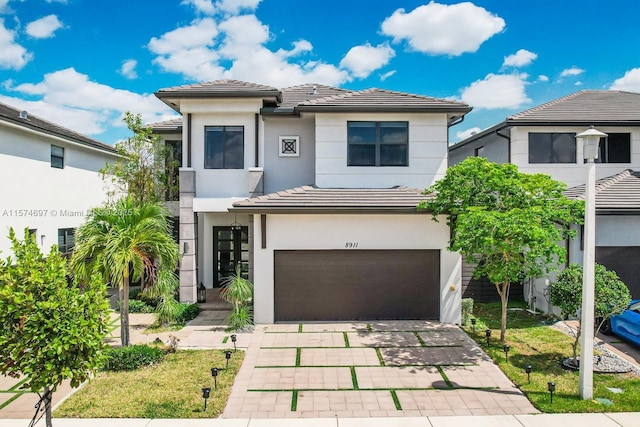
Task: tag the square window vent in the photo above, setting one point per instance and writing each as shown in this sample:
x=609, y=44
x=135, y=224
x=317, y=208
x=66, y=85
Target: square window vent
x=289, y=146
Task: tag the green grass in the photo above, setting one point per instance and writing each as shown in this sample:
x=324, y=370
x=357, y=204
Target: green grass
x=170, y=389
x=535, y=343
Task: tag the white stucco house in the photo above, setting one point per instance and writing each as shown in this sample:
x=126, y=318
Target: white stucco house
x=542, y=140
x=49, y=179
x=313, y=190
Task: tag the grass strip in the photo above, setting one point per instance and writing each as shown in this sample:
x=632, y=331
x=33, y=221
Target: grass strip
x=346, y=340
x=11, y=399
x=298, y=355
x=422, y=343
x=404, y=365
x=444, y=376
x=300, y=328
x=224, y=340
x=281, y=390
x=294, y=401
x=396, y=401
x=369, y=327
x=364, y=346
x=354, y=378
x=380, y=359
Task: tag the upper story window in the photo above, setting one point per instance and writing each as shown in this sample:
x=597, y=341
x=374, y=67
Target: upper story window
x=224, y=147
x=615, y=148
x=551, y=147
x=57, y=157
x=378, y=143
x=65, y=239
x=173, y=161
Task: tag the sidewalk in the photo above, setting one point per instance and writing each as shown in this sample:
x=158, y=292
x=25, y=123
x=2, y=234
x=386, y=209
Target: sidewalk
x=621, y=419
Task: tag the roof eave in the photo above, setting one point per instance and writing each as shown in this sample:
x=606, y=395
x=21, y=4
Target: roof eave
x=381, y=109
x=327, y=210
x=495, y=128
x=520, y=122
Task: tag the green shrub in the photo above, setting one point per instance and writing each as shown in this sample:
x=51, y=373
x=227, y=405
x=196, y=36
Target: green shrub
x=134, y=293
x=136, y=306
x=132, y=357
x=187, y=312
x=240, y=318
x=467, y=310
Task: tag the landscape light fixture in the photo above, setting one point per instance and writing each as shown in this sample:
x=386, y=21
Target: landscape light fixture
x=551, y=387
x=202, y=293
x=487, y=333
x=214, y=374
x=590, y=140
x=528, y=369
x=473, y=324
x=234, y=338
x=206, y=391
x=506, y=349
x=227, y=355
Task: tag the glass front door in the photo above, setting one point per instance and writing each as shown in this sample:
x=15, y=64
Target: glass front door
x=230, y=247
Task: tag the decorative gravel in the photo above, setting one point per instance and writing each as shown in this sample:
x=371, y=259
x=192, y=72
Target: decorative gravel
x=607, y=362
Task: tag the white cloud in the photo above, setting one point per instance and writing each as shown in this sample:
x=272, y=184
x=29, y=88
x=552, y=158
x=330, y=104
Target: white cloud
x=233, y=7
x=574, y=71
x=578, y=83
x=12, y=55
x=235, y=48
x=128, y=69
x=202, y=6
x=3, y=6
x=364, y=59
x=74, y=101
x=44, y=28
x=497, y=91
x=443, y=29
x=386, y=75
x=519, y=59
x=57, y=1
x=467, y=133
x=629, y=82
x=543, y=78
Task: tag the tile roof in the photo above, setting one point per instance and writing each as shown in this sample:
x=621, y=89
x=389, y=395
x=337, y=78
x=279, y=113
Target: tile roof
x=310, y=198
x=585, y=107
x=173, y=125
x=12, y=115
x=381, y=100
x=223, y=88
x=294, y=95
x=617, y=194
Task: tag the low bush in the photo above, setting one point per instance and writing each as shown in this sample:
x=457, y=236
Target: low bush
x=467, y=310
x=132, y=357
x=187, y=312
x=136, y=306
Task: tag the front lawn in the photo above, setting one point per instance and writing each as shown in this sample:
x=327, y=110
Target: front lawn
x=170, y=389
x=534, y=343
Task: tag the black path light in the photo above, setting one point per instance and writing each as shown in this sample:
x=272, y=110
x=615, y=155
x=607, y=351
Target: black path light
x=487, y=333
x=506, y=349
x=214, y=374
x=206, y=391
x=473, y=324
x=202, y=293
x=227, y=355
x=528, y=369
x=234, y=338
x=551, y=386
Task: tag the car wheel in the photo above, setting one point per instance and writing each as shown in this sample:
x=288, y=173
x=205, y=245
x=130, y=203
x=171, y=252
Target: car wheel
x=606, y=327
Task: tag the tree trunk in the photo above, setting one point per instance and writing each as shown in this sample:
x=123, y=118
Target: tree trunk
x=124, y=309
x=47, y=408
x=502, y=290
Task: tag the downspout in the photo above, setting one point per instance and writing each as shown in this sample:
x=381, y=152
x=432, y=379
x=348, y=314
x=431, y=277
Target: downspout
x=189, y=140
x=508, y=138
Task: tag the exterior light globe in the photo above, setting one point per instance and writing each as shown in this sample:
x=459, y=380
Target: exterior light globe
x=590, y=139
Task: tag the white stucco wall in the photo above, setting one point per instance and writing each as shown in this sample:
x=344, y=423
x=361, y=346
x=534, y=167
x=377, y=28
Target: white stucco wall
x=34, y=195
x=427, y=152
x=572, y=174
x=317, y=232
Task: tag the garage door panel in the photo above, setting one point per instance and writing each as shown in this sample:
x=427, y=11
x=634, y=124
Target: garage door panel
x=357, y=285
x=625, y=261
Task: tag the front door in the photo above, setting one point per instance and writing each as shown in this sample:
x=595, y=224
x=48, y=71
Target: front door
x=230, y=247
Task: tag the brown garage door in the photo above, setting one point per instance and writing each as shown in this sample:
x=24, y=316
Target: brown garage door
x=625, y=261
x=357, y=285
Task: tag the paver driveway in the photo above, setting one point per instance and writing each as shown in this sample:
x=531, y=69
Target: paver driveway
x=404, y=368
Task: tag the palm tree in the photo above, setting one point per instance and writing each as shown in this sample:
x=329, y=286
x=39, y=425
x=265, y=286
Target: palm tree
x=125, y=241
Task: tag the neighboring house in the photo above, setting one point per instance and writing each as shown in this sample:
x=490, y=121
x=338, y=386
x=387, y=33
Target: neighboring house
x=49, y=177
x=542, y=140
x=312, y=190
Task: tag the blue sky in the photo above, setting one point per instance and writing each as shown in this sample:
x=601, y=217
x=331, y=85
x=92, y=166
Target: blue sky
x=83, y=63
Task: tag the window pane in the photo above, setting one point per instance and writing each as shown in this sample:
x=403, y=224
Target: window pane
x=213, y=147
x=564, y=148
x=394, y=132
x=618, y=148
x=362, y=155
x=57, y=157
x=234, y=147
x=361, y=132
x=539, y=148
x=393, y=155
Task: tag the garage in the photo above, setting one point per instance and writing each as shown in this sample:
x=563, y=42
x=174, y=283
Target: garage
x=330, y=285
x=624, y=261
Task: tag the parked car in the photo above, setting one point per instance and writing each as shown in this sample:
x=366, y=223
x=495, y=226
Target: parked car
x=625, y=324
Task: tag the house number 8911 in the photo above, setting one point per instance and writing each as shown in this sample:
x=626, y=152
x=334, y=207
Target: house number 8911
x=351, y=245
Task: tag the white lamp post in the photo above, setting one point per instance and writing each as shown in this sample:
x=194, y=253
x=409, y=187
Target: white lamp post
x=591, y=138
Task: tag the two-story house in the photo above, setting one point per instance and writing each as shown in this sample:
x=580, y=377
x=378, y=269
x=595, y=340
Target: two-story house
x=543, y=140
x=50, y=178
x=313, y=190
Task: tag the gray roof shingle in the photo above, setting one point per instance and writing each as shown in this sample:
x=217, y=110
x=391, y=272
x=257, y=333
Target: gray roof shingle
x=313, y=199
x=173, y=125
x=295, y=95
x=619, y=193
x=12, y=115
x=221, y=88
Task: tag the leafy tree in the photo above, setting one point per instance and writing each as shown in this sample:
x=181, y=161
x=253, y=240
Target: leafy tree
x=145, y=170
x=50, y=330
x=122, y=241
x=611, y=295
x=506, y=223
x=238, y=291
